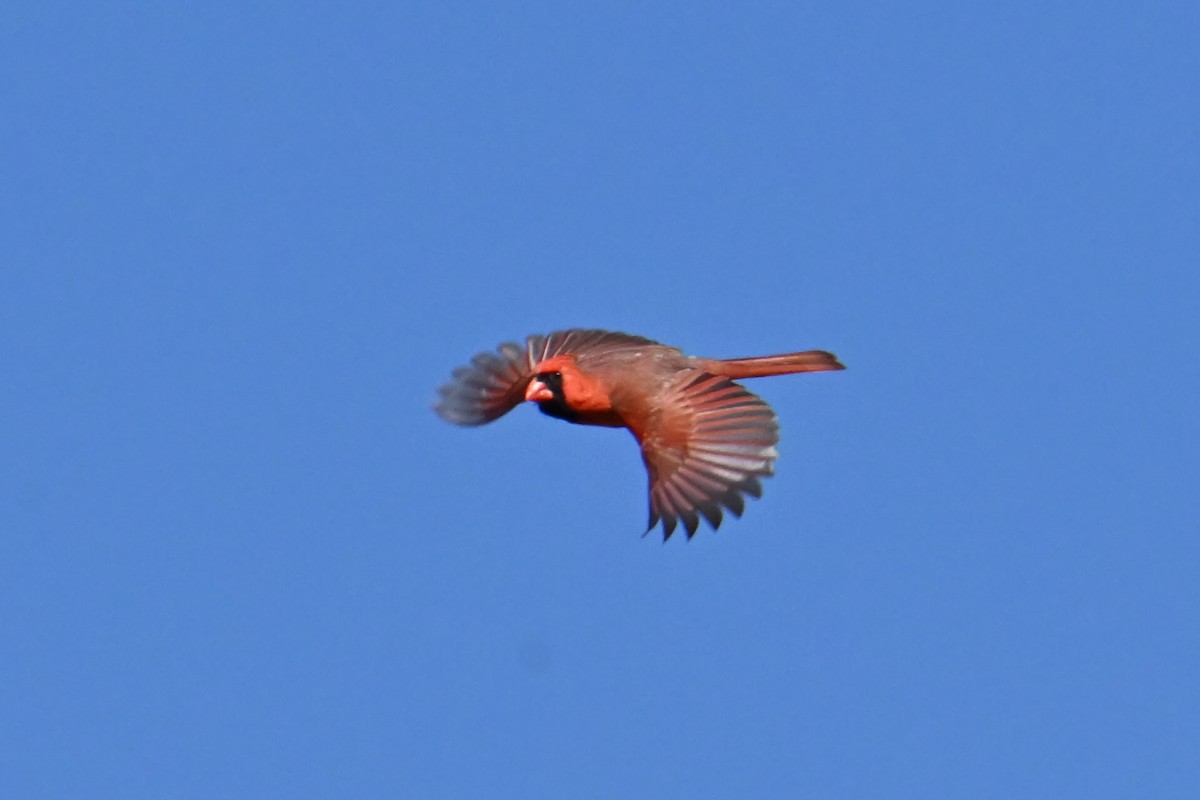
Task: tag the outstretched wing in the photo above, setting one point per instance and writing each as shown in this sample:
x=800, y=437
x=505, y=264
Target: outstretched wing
x=707, y=443
x=494, y=383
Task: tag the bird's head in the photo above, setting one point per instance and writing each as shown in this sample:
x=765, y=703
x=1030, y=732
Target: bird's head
x=549, y=387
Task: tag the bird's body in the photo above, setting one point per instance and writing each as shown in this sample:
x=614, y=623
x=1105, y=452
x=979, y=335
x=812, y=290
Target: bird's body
x=705, y=440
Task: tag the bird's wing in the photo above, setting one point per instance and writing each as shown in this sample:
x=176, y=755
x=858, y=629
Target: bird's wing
x=706, y=442
x=494, y=383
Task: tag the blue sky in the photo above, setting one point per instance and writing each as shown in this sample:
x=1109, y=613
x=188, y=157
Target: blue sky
x=242, y=245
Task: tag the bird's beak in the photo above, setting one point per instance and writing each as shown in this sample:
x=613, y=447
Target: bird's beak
x=538, y=392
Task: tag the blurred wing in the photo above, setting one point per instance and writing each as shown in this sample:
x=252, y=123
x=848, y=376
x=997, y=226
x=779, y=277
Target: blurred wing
x=708, y=443
x=494, y=383
x=488, y=388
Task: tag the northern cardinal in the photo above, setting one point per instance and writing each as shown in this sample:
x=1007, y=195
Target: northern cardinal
x=705, y=440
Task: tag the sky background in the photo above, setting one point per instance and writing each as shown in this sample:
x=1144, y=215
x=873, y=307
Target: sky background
x=242, y=244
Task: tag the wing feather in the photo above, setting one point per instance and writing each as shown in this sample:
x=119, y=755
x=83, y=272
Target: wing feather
x=707, y=445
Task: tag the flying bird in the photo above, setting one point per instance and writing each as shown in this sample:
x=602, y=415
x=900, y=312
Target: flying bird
x=705, y=440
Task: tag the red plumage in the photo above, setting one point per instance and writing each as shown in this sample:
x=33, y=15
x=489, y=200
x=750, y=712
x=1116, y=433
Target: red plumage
x=705, y=440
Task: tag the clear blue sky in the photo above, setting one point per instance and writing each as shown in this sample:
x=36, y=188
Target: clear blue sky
x=241, y=245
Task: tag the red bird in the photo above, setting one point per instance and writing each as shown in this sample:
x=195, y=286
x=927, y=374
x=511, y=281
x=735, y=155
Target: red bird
x=705, y=440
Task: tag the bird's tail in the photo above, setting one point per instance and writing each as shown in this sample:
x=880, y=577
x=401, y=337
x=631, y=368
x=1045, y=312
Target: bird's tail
x=785, y=364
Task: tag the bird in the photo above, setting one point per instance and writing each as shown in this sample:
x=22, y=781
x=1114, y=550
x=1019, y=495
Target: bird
x=705, y=440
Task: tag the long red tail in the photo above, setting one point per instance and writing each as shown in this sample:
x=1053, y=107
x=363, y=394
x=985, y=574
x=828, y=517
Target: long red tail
x=785, y=364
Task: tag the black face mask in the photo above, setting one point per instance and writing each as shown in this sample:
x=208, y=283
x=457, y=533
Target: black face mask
x=557, y=407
